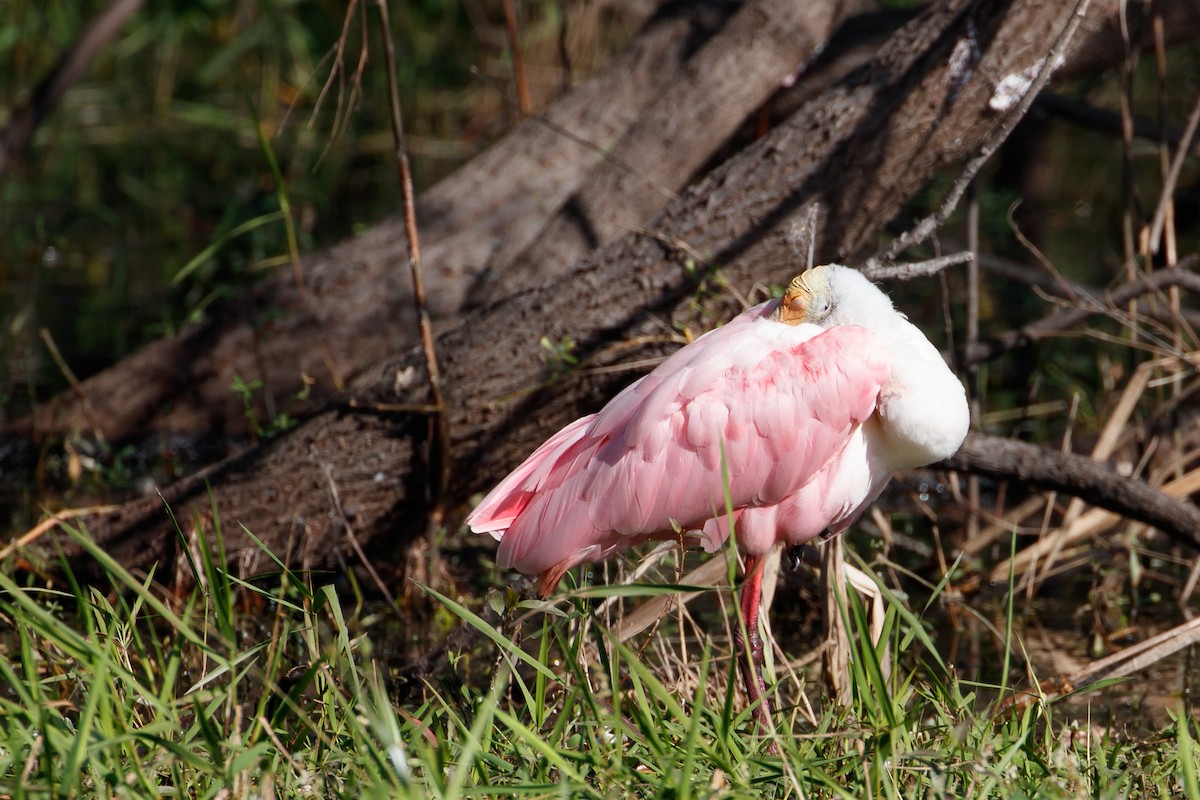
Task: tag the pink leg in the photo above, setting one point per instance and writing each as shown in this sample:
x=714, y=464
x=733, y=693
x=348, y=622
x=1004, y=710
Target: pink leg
x=750, y=658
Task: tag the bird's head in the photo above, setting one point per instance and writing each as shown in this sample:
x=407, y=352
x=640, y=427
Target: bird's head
x=808, y=298
x=831, y=295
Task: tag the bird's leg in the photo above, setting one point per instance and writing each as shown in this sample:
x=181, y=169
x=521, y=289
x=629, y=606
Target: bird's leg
x=749, y=643
x=795, y=555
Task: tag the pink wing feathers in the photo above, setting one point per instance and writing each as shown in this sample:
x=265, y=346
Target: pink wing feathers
x=781, y=400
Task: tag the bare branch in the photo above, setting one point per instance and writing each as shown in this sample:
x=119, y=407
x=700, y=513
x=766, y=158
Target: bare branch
x=926, y=227
x=14, y=139
x=1079, y=476
x=1105, y=121
x=440, y=446
x=1068, y=318
x=916, y=269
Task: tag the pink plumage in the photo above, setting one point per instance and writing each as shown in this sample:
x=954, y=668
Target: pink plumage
x=811, y=401
x=783, y=401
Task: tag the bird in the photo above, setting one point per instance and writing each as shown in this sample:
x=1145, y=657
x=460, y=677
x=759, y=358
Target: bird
x=797, y=412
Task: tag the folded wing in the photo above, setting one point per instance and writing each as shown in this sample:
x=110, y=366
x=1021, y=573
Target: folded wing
x=775, y=401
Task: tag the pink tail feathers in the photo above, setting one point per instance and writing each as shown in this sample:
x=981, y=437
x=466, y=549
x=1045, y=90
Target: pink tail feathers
x=496, y=513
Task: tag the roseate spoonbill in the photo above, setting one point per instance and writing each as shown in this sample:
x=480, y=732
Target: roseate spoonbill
x=813, y=400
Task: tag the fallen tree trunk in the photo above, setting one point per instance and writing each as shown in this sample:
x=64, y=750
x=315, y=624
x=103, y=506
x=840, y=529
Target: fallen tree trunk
x=355, y=305
x=859, y=151
x=488, y=214
x=765, y=45
x=474, y=225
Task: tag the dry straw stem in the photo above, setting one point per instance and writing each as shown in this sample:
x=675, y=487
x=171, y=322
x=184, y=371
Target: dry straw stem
x=1094, y=481
x=833, y=650
x=1109, y=437
x=711, y=573
x=835, y=656
x=439, y=462
x=1090, y=524
x=1002, y=525
x=85, y=403
x=1088, y=305
x=1168, y=188
x=514, y=45
x=336, y=500
x=1122, y=663
x=337, y=75
x=49, y=524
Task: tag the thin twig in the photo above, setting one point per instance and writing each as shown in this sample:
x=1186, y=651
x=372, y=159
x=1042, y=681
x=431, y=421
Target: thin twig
x=85, y=404
x=1108, y=122
x=15, y=138
x=915, y=269
x=1068, y=318
x=1168, y=189
x=926, y=227
x=337, y=74
x=972, y=336
x=49, y=524
x=335, y=497
x=1166, y=205
x=395, y=408
x=1129, y=190
x=514, y=46
x=439, y=462
x=564, y=54
x=1059, y=287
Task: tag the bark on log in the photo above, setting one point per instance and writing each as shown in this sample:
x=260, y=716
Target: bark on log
x=764, y=44
x=482, y=216
x=486, y=213
x=356, y=304
x=860, y=150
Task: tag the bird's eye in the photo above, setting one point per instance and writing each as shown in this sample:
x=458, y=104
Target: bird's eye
x=821, y=308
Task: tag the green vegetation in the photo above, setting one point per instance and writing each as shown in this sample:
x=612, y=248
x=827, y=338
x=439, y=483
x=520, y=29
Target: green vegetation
x=274, y=688
x=191, y=161
x=198, y=154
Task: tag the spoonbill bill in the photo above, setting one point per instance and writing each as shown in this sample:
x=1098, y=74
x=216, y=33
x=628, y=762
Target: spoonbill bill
x=808, y=404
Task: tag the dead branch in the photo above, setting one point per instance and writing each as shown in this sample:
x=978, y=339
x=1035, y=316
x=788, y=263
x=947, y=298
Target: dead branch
x=963, y=61
x=917, y=269
x=1079, y=476
x=1105, y=121
x=1056, y=285
x=1089, y=305
x=15, y=138
x=439, y=461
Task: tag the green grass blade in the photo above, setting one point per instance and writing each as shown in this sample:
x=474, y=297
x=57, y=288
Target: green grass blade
x=501, y=641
